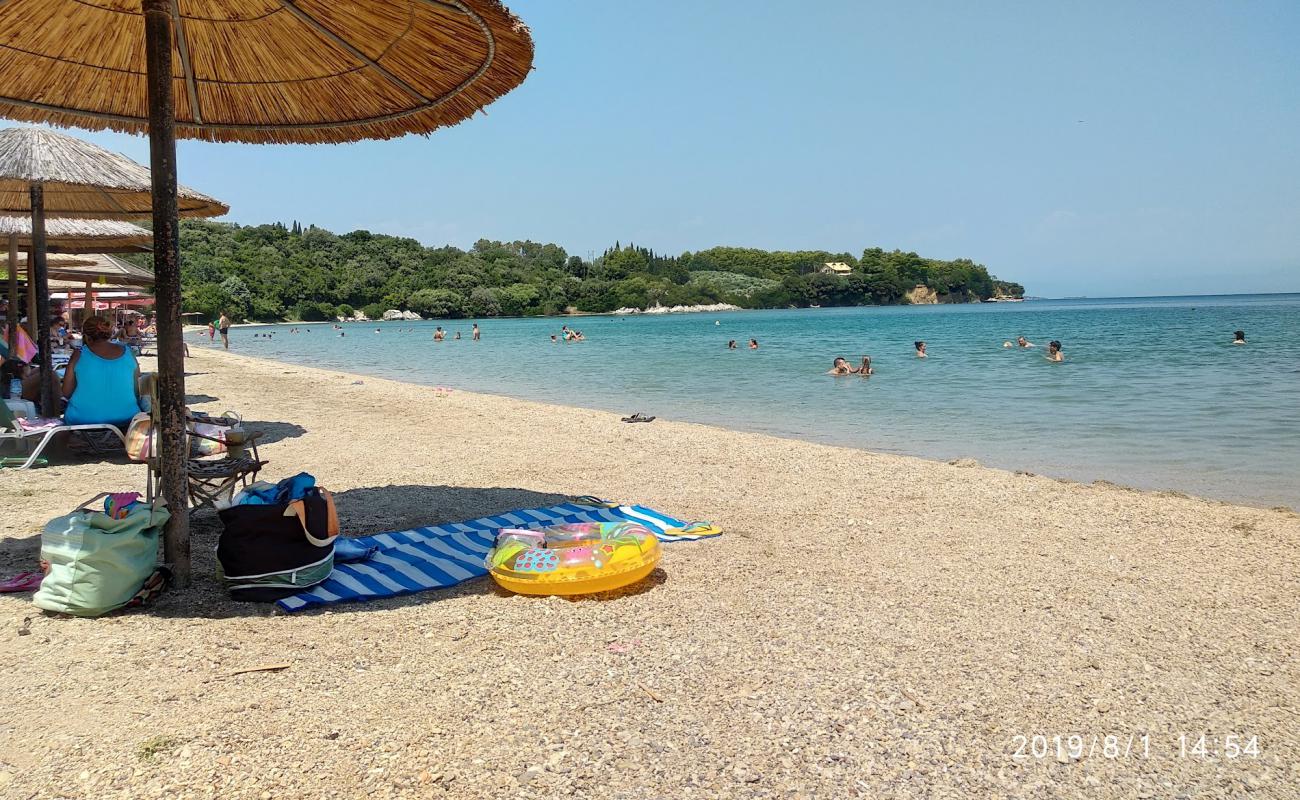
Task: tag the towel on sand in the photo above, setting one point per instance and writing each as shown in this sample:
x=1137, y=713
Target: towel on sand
x=436, y=557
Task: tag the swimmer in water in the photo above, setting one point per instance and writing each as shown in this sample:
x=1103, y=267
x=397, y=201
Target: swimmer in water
x=731, y=345
x=1007, y=345
x=553, y=339
x=457, y=336
x=753, y=344
x=1054, y=352
x=1238, y=337
x=475, y=337
x=840, y=367
x=439, y=334
x=920, y=349
x=865, y=370
x=1022, y=342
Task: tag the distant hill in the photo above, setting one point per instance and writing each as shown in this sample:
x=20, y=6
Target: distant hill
x=274, y=272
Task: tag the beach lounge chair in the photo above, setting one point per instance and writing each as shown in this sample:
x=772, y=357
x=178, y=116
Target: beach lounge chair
x=42, y=431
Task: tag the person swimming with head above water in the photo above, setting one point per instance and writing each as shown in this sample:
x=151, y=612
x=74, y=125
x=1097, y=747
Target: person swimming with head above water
x=731, y=345
x=920, y=349
x=1022, y=342
x=753, y=344
x=1238, y=337
x=865, y=369
x=840, y=367
x=1054, y=352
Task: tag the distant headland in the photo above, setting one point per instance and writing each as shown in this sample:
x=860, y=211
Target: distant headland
x=276, y=272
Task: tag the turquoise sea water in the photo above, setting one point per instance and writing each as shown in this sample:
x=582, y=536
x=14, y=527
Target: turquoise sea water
x=1152, y=394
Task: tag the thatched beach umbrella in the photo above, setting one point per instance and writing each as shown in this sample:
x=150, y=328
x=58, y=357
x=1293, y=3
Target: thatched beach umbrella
x=96, y=268
x=43, y=172
x=305, y=71
x=75, y=235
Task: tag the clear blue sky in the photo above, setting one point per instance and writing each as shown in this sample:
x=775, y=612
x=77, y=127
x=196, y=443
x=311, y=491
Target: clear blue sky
x=1098, y=148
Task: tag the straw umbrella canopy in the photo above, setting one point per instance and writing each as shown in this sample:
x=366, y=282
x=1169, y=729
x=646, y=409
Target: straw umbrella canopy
x=262, y=71
x=74, y=235
x=288, y=71
x=80, y=179
x=45, y=172
x=97, y=268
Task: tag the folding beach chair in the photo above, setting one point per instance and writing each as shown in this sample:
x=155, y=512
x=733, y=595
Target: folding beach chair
x=211, y=477
x=42, y=431
x=217, y=477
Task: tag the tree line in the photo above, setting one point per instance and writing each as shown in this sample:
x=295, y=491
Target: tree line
x=276, y=272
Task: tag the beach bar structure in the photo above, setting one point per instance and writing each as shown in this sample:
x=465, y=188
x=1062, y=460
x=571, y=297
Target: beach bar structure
x=257, y=71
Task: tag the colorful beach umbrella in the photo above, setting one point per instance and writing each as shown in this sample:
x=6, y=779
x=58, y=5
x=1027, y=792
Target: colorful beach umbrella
x=263, y=71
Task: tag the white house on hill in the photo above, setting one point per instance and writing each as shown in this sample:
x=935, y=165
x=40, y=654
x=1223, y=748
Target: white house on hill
x=835, y=268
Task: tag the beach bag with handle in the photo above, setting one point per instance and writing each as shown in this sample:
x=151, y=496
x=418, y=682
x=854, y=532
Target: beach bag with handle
x=98, y=562
x=267, y=552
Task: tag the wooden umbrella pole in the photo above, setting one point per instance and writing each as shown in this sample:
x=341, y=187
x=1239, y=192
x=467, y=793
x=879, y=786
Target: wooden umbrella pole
x=31, y=295
x=11, y=334
x=38, y=283
x=167, y=285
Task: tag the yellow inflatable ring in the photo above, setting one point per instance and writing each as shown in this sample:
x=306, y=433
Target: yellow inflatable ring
x=578, y=558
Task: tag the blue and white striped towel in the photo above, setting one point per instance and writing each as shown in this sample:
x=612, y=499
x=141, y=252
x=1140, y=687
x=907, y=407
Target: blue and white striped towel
x=445, y=555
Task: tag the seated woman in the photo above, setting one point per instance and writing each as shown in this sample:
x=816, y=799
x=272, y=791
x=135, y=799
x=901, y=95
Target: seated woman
x=100, y=379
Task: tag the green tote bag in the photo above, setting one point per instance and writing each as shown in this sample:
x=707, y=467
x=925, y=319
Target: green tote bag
x=98, y=563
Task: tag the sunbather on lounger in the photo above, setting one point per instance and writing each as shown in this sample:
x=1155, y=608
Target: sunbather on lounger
x=100, y=379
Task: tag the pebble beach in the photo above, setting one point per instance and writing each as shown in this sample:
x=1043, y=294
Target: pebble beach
x=868, y=626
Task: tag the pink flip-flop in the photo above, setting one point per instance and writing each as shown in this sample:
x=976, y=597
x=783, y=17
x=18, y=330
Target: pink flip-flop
x=22, y=582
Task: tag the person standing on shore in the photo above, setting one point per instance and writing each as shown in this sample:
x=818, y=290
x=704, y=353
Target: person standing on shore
x=475, y=334
x=223, y=327
x=212, y=331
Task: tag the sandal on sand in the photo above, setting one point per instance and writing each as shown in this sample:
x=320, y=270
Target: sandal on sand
x=638, y=417
x=22, y=582
x=154, y=586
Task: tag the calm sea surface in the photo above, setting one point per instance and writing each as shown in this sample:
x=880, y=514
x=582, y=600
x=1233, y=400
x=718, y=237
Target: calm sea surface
x=1151, y=393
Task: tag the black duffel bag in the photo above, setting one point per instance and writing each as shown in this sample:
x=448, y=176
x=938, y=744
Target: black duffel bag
x=267, y=552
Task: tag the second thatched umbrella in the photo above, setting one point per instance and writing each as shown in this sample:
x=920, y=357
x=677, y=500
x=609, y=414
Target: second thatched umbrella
x=43, y=172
